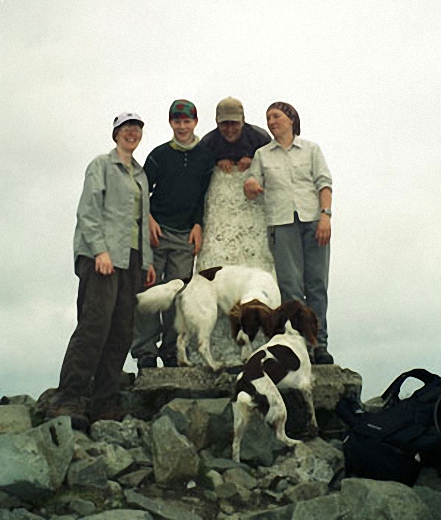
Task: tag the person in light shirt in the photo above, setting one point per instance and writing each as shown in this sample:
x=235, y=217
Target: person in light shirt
x=111, y=252
x=291, y=175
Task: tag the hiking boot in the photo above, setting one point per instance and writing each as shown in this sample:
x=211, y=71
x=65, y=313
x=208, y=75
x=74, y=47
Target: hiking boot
x=73, y=409
x=147, y=361
x=322, y=356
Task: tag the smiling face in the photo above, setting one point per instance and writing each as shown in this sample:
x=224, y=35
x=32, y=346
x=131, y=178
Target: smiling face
x=183, y=129
x=279, y=124
x=231, y=130
x=128, y=137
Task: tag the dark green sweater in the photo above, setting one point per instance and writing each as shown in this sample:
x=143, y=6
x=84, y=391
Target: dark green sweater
x=178, y=182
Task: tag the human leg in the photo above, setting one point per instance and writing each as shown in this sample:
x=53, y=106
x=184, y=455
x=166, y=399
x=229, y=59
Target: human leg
x=179, y=264
x=287, y=249
x=118, y=342
x=316, y=286
x=147, y=327
x=95, y=304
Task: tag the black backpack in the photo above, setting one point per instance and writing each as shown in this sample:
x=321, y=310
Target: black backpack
x=396, y=441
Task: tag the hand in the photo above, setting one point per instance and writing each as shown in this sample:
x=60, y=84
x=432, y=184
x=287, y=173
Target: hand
x=155, y=232
x=252, y=188
x=196, y=238
x=151, y=276
x=226, y=165
x=104, y=264
x=323, y=230
x=244, y=164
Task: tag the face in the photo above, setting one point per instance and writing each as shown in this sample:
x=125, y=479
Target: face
x=128, y=137
x=279, y=124
x=231, y=130
x=183, y=129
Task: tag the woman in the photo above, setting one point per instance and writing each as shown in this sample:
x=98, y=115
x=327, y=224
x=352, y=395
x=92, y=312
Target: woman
x=297, y=188
x=111, y=247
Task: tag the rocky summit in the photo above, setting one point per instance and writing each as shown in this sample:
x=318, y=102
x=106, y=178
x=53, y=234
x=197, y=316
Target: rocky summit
x=170, y=458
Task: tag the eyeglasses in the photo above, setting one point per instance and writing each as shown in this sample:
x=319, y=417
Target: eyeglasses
x=131, y=128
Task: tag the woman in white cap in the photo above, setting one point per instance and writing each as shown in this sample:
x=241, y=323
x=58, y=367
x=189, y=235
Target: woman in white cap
x=111, y=248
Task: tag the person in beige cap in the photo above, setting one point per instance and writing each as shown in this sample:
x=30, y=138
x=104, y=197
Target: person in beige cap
x=234, y=142
x=234, y=228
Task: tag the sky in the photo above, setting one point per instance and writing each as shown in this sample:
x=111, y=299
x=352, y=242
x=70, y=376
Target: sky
x=365, y=78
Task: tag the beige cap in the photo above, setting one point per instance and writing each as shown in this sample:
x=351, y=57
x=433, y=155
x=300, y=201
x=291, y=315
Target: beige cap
x=229, y=109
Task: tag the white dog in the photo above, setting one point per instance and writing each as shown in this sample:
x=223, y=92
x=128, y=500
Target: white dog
x=158, y=298
x=283, y=362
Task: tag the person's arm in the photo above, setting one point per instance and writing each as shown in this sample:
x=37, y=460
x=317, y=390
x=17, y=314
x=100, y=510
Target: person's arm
x=323, y=230
x=253, y=185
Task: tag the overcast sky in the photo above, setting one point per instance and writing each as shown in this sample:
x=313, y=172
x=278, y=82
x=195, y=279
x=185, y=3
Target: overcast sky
x=365, y=78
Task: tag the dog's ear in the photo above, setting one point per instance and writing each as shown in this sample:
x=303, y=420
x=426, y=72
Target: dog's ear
x=210, y=273
x=304, y=319
x=235, y=316
x=276, y=321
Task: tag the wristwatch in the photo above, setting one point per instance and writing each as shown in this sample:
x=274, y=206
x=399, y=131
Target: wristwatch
x=327, y=212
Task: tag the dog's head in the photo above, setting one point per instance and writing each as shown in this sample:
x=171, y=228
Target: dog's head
x=302, y=318
x=249, y=318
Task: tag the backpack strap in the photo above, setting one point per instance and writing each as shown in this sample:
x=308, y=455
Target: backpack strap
x=391, y=393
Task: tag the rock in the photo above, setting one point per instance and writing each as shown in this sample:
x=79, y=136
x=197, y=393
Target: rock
x=305, y=491
x=174, y=456
x=120, y=514
x=276, y=513
x=431, y=498
x=136, y=478
x=35, y=462
x=367, y=499
x=240, y=477
x=327, y=508
x=160, y=507
x=19, y=514
x=88, y=473
x=131, y=433
x=14, y=418
x=116, y=458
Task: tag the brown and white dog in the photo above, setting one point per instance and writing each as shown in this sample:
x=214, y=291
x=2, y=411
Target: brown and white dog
x=283, y=362
x=248, y=295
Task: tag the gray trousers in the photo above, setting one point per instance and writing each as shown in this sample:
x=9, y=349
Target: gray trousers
x=302, y=268
x=101, y=341
x=172, y=259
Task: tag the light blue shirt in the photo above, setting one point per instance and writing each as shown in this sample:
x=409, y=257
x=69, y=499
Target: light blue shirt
x=292, y=180
x=106, y=209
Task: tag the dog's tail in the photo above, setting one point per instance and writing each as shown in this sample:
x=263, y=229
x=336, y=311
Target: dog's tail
x=158, y=298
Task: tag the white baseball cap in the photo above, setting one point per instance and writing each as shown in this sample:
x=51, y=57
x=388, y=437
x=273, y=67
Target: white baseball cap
x=127, y=116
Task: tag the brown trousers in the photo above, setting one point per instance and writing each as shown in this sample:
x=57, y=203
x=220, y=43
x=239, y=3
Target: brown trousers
x=101, y=341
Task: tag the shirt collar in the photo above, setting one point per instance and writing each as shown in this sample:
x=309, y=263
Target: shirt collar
x=115, y=158
x=297, y=143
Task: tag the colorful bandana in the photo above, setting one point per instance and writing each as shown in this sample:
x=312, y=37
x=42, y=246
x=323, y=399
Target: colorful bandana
x=182, y=109
x=290, y=112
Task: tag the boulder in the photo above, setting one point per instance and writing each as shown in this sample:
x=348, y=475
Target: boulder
x=35, y=462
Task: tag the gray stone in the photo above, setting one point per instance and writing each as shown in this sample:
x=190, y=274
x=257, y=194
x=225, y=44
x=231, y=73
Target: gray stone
x=35, y=462
x=306, y=491
x=82, y=507
x=14, y=418
x=197, y=416
x=128, y=434
x=116, y=458
x=87, y=473
x=21, y=514
x=312, y=461
x=136, y=478
x=120, y=514
x=160, y=507
x=368, y=499
x=431, y=498
x=276, y=513
x=240, y=477
x=114, y=496
x=174, y=456
x=327, y=508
